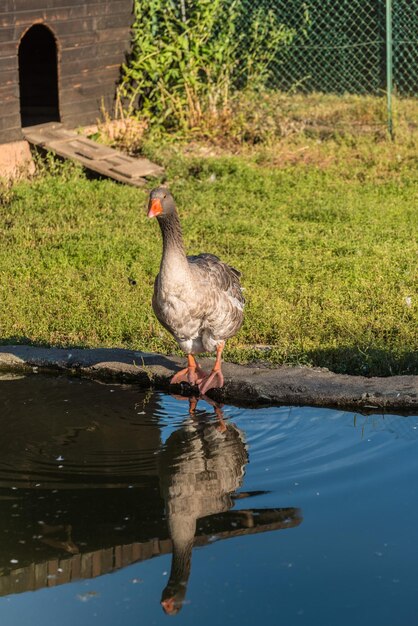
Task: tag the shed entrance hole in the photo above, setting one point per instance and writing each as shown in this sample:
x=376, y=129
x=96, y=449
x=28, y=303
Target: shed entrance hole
x=38, y=77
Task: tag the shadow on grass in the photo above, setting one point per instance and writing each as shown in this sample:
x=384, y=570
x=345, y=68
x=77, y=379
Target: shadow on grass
x=21, y=340
x=371, y=362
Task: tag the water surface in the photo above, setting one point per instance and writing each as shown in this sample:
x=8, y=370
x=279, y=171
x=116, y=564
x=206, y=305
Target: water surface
x=114, y=500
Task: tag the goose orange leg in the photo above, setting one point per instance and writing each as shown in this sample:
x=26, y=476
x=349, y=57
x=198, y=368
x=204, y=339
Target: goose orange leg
x=190, y=374
x=218, y=412
x=215, y=378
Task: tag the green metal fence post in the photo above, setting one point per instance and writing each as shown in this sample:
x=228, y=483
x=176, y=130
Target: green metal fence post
x=389, y=67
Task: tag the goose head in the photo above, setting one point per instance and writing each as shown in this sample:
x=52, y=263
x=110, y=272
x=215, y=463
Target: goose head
x=161, y=203
x=173, y=598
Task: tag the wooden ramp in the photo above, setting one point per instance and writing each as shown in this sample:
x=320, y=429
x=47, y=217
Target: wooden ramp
x=101, y=159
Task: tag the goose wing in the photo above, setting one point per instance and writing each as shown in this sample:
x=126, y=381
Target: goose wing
x=220, y=293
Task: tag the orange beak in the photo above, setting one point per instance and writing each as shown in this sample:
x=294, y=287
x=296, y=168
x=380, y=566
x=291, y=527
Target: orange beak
x=169, y=606
x=155, y=208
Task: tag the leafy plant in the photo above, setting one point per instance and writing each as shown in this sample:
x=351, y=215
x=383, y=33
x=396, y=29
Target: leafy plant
x=189, y=60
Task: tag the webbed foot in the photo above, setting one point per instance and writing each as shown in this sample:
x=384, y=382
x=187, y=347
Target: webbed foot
x=192, y=374
x=214, y=380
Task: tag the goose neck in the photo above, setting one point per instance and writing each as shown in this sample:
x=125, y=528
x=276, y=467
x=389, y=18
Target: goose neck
x=172, y=234
x=181, y=563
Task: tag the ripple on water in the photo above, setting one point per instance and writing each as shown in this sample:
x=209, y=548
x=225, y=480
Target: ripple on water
x=71, y=432
x=301, y=444
x=66, y=431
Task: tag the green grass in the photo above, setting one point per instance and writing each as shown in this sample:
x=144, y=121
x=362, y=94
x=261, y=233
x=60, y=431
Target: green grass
x=325, y=234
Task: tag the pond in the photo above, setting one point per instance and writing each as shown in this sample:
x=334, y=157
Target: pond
x=126, y=506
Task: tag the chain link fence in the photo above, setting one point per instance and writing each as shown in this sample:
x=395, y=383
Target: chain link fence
x=189, y=56
x=338, y=46
x=342, y=47
x=405, y=47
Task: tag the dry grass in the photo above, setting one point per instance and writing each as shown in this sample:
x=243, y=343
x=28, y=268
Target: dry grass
x=260, y=119
x=119, y=130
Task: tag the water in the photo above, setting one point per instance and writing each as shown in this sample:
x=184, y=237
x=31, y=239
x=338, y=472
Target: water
x=297, y=515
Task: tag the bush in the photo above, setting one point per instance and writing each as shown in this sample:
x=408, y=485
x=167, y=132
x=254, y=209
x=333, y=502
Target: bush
x=188, y=62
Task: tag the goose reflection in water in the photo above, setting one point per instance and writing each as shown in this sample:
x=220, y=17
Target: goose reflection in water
x=201, y=466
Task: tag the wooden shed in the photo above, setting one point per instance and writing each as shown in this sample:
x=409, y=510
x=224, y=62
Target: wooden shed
x=59, y=60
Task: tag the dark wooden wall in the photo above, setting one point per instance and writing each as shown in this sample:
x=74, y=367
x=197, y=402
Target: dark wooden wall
x=92, y=37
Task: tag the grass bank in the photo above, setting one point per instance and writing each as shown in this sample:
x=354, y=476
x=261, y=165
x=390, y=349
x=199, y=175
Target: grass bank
x=324, y=232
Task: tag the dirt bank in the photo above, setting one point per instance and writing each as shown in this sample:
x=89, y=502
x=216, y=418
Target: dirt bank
x=243, y=384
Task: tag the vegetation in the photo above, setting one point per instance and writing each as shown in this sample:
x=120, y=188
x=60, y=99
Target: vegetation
x=324, y=232
x=262, y=118
x=187, y=63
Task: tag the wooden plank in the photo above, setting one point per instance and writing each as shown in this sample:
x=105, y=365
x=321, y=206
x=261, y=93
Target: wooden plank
x=9, y=77
x=5, y=585
x=22, y=5
x=52, y=575
x=82, y=39
x=8, y=48
x=165, y=546
x=112, y=164
x=10, y=90
x=81, y=118
x=120, y=36
x=18, y=580
x=88, y=98
x=83, y=67
x=41, y=573
x=86, y=565
x=74, y=23
x=102, y=159
x=137, y=551
x=7, y=6
x=97, y=563
x=81, y=147
x=10, y=121
x=12, y=134
x=117, y=557
x=76, y=567
x=107, y=561
x=27, y=18
x=108, y=49
x=74, y=26
x=7, y=34
x=8, y=63
x=86, y=118
x=81, y=104
x=7, y=20
x=66, y=12
x=90, y=84
x=64, y=575
x=127, y=558
x=41, y=134
x=129, y=170
x=114, y=21
x=9, y=104
x=114, y=34
x=22, y=579
x=148, y=550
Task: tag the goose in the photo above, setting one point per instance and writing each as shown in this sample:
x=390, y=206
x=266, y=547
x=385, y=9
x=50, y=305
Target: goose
x=200, y=468
x=198, y=299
